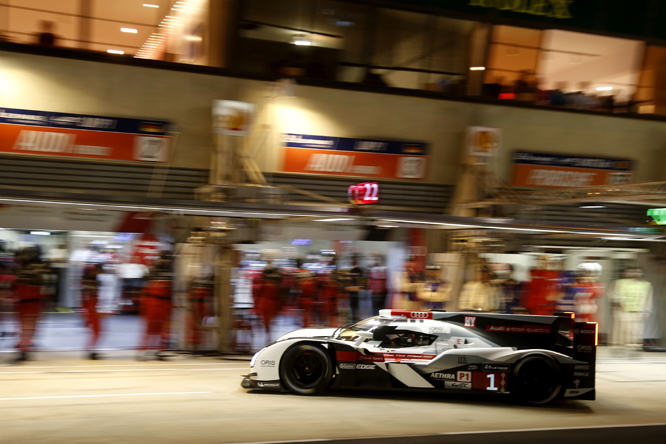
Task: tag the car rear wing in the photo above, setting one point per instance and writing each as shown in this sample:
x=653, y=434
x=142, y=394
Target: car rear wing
x=580, y=381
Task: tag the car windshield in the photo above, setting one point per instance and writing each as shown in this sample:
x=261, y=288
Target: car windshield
x=349, y=332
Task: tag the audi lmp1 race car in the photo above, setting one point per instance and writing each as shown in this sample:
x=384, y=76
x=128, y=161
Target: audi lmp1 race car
x=535, y=358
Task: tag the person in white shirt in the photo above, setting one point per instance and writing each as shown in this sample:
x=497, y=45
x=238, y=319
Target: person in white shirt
x=479, y=294
x=131, y=274
x=632, y=305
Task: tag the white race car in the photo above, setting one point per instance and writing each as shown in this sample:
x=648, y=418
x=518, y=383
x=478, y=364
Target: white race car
x=536, y=358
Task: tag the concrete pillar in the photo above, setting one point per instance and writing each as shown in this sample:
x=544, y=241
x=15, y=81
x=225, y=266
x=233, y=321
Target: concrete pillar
x=223, y=24
x=479, y=44
x=223, y=296
x=85, y=11
x=660, y=85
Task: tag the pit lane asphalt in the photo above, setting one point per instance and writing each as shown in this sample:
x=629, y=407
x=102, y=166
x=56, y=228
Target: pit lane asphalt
x=61, y=398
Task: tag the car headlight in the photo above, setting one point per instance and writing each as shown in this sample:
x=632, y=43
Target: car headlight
x=254, y=358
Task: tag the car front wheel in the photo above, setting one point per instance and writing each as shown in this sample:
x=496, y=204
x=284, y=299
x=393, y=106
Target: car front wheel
x=306, y=369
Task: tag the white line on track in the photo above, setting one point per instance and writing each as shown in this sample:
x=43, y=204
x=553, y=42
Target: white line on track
x=554, y=429
x=124, y=365
x=612, y=426
x=125, y=370
x=629, y=362
x=104, y=396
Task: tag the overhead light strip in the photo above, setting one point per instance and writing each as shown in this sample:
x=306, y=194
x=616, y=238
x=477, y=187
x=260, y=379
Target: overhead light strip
x=532, y=230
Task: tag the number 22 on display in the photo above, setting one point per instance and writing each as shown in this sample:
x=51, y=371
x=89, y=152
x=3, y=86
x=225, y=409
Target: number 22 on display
x=364, y=193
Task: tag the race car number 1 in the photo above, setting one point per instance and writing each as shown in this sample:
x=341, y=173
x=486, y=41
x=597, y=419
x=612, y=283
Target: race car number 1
x=492, y=382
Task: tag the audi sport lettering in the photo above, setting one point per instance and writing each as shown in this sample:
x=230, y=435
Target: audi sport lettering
x=521, y=329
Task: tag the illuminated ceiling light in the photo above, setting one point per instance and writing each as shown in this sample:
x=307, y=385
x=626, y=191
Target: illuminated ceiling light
x=41, y=233
x=605, y=88
x=301, y=40
x=129, y=30
x=342, y=219
x=477, y=68
x=148, y=5
x=193, y=38
x=115, y=51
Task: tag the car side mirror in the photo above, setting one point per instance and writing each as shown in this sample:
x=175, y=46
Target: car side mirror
x=362, y=337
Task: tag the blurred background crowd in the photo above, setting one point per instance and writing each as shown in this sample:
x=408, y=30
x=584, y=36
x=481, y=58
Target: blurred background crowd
x=276, y=291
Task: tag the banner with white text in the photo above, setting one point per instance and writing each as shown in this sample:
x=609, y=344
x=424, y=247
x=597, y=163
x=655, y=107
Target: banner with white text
x=540, y=170
x=342, y=156
x=83, y=136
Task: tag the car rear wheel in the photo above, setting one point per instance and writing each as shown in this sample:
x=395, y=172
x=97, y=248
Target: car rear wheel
x=537, y=380
x=306, y=369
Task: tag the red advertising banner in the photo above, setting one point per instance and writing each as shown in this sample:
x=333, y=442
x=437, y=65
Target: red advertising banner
x=354, y=157
x=80, y=136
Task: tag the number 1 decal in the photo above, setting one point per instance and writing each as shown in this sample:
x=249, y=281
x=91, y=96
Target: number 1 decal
x=491, y=383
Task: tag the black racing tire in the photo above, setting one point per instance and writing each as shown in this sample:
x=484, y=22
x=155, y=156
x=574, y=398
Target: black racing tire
x=306, y=369
x=537, y=380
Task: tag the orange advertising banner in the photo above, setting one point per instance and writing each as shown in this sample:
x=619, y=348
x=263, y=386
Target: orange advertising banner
x=354, y=157
x=536, y=170
x=90, y=137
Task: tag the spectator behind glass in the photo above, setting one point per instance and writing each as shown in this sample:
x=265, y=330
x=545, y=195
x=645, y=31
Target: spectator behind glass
x=493, y=90
x=522, y=87
x=557, y=95
x=46, y=37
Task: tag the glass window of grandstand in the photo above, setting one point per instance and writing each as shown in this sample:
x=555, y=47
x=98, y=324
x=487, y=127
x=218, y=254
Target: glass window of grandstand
x=23, y=21
x=155, y=29
x=355, y=43
x=568, y=69
x=421, y=51
x=301, y=38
